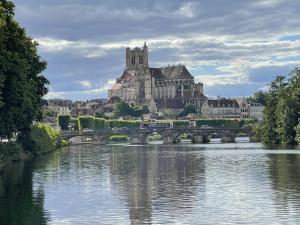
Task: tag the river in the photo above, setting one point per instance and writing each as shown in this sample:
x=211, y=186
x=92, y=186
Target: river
x=239, y=183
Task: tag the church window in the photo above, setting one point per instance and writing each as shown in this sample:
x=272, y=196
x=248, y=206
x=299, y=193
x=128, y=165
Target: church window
x=133, y=60
x=140, y=59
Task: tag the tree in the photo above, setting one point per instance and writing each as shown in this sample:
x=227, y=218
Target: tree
x=297, y=129
x=298, y=133
x=258, y=97
x=122, y=109
x=269, y=126
x=100, y=114
x=22, y=85
x=187, y=110
x=282, y=111
x=64, y=121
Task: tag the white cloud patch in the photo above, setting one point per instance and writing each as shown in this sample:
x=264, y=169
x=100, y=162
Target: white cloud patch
x=85, y=83
x=86, y=94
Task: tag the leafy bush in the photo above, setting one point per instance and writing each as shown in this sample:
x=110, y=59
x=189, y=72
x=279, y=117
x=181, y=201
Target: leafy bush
x=44, y=138
x=64, y=121
x=118, y=138
x=155, y=137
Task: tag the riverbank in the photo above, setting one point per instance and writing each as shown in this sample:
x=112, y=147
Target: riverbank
x=41, y=139
x=12, y=152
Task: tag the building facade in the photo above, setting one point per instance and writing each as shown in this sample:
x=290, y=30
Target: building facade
x=256, y=110
x=225, y=108
x=165, y=88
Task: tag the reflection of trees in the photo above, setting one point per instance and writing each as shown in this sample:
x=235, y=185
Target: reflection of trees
x=285, y=175
x=150, y=175
x=19, y=204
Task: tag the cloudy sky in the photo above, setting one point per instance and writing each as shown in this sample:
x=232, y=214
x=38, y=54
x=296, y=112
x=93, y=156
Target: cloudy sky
x=234, y=47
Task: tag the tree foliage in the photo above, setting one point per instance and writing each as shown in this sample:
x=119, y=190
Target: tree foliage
x=21, y=84
x=187, y=110
x=44, y=138
x=298, y=133
x=124, y=109
x=282, y=111
x=258, y=97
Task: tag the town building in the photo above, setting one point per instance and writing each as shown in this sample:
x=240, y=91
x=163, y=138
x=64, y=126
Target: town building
x=225, y=108
x=256, y=111
x=165, y=89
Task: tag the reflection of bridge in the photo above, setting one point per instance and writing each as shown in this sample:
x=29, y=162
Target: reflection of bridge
x=169, y=135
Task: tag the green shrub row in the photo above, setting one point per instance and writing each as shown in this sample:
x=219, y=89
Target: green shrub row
x=122, y=123
x=231, y=123
x=181, y=123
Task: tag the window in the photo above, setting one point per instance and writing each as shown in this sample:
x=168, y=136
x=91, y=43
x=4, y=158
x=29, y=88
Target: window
x=140, y=59
x=133, y=60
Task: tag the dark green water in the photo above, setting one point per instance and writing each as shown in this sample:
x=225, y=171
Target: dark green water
x=242, y=183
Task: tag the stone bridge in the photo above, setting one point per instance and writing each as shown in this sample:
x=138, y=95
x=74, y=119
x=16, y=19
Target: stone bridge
x=169, y=135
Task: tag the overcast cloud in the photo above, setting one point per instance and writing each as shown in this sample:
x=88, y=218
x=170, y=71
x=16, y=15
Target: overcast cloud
x=234, y=47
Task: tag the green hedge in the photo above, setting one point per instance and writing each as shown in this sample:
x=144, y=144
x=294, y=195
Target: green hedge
x=181, y=123
x=64, y=121
x=44, y=138
x=99, y=123
x=91, y=122
x=122, y=123
x=86, y=122
x=231, y=123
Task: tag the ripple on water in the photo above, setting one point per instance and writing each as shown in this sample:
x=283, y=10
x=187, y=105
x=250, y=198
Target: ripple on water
x=239, y=183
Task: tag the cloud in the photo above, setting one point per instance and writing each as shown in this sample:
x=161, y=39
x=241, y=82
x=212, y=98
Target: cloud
x=85, y=83
x=84, y=94
x=245, y=42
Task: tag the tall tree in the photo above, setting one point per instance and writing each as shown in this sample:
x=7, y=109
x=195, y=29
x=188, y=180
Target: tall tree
x=270, y=135
x=22, y=85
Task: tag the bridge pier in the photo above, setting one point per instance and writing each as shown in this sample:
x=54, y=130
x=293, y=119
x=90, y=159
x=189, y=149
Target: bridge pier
x=199, y=138
x=228, y=139
x=139, y=138
x=168, y=138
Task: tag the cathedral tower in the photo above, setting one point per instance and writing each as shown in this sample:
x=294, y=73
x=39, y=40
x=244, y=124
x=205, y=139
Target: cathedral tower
x=137, y=57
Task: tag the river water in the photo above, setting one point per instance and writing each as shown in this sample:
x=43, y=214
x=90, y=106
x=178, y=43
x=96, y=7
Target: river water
x=240, y=183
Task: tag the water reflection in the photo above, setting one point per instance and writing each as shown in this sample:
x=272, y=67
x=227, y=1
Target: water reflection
x=284, y=171
x=19, y=203
x=152, y=179
x=155, y=184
